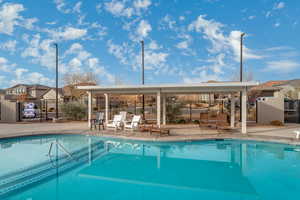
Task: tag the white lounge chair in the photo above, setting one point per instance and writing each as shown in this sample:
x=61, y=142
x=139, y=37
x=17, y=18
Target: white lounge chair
x=297, y=134
x=124, y=115
x=116, y=123
x=134, y=124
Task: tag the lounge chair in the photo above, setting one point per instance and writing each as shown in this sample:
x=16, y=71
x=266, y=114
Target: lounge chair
x=124, y=115
x=116, y=123
x=99, y=120
x=134, y=124
x=297, y=134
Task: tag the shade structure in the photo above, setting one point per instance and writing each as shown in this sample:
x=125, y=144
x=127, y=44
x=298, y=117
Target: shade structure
x=161, y=89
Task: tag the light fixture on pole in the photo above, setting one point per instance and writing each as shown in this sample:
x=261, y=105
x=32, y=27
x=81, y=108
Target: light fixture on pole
x=241, y=72
x=143, y=76
x=56, y=82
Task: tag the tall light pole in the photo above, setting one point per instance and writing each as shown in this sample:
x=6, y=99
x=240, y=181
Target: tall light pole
x=241, y=72
x=143, y=76
x=56, y=84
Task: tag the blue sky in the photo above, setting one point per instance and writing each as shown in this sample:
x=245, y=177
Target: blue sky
x=185, y=41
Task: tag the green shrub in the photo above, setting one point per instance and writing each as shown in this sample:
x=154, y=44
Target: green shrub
x=74, y=110
x=180, y=121
x=196, y=121
x=173, y=110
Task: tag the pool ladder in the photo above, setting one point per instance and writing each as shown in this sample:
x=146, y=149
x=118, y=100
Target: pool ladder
x=59, y=145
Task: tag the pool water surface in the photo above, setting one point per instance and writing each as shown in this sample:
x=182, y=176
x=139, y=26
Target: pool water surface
x=76, y=167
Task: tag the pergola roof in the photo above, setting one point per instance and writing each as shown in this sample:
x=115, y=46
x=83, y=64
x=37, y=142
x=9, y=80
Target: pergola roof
x=172, y=88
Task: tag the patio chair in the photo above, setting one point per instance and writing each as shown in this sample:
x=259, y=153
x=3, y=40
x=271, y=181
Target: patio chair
x=134, y=124
x=124, y=115
x=99, y=120
x=297, y=134
x=116, y=123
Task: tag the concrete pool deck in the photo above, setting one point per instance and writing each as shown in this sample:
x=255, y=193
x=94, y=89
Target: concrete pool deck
x=283, y=134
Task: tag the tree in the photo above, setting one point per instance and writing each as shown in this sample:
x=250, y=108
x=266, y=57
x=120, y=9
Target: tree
x=247, y=76
x=72, y=80
x=77, y=78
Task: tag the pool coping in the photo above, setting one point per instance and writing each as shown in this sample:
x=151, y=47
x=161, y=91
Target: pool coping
x=172, y=138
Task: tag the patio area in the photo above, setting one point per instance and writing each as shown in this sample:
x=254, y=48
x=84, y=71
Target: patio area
x=187, y=132
x=161, y=91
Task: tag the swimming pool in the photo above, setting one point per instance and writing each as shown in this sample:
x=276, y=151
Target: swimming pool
x=76, y=167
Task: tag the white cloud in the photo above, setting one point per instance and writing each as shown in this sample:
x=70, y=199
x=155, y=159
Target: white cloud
x=5, y=66
x=202, y=76
x=71, y=33
x=251, y=17
x=119, y=51
x=268, y=14
x=121, y=8
x=167, y=23
x=279, y=5
x=41, y=51
x=277, y=24
x=282, y=66
x=3, y=81
x=77, y=7
x=51, y=23
x=118, y=8
x=98, y=7
x=25, y=76
x=77, y=49
x=182, y=45
x=224, y=48
x=75, y=64
x=234, y=42
x=19, y=72
x=155, y=59
x=68, y=33
x=9, y=17
x=9, y=46
x=143, y=29
x=181, y=18
x=95, y=66
x=213, y=31
x=82, y=60
x=61, y=6
x=153, y=45
x=142, y=4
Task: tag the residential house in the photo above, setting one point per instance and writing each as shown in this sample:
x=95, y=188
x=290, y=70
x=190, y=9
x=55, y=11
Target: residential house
x=269, y=101
x=10, y=108
x=28, y=92
x=290, y=89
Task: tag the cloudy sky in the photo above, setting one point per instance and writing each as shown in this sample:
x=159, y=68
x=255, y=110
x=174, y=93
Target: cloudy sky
x=185, y=41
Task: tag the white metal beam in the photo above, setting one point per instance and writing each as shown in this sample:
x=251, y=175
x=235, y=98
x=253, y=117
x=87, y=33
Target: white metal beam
x=106, y=107
x=244, y=111
x=89, y=108
x=164, y=104
x=232, y=111
x=158, y=110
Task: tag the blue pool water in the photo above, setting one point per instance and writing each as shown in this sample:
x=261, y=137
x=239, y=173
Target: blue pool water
x=91, y=168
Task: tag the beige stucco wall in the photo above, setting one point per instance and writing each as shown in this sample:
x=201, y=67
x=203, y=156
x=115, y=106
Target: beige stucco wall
x=270, y=109
x=51, y=95
x=8, y=111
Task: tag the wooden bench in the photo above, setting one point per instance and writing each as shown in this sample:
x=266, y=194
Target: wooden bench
x=153, y=129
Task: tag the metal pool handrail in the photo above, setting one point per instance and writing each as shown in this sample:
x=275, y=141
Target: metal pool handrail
x=62, y=147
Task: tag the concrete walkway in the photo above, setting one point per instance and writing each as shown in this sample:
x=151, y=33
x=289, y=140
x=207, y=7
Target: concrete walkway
x=178, y=132
x=19, y=129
